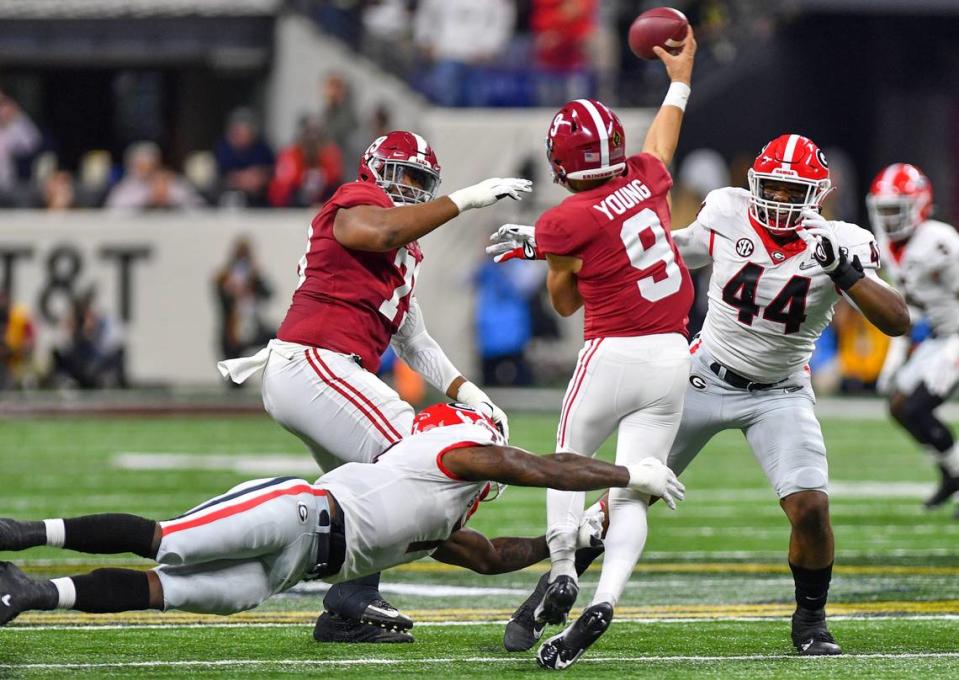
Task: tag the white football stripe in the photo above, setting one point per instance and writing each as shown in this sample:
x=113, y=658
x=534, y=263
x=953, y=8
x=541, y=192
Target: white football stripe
x=890, y=173
x=790, y=149
x=420, y=145
x=601, y=129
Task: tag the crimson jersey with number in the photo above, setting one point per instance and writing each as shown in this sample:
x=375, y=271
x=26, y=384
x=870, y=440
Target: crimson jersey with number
x=768, y=302
x=350, y=301
x=633, y=280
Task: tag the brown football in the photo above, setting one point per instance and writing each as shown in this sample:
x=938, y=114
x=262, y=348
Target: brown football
x=662, y=26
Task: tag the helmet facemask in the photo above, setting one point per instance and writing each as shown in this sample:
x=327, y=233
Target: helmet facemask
x=893, y=215
x=784, y=217
x=405, y=183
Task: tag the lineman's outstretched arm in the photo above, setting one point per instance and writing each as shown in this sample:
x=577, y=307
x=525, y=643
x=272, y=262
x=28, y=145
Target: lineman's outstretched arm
x=471, y=549
x=371, y=228
x=693, y=245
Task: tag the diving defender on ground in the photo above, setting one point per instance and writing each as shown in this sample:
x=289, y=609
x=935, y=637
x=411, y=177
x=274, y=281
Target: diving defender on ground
x=354, y=298
x=779, y=268
x=265, y=536
x=923, y=258
x=609, y=250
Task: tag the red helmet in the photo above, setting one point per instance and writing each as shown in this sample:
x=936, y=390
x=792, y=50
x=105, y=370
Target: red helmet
x=899, y=199
x=445, y=415
x=403, y=165
x=586, y=141
x=792, y=160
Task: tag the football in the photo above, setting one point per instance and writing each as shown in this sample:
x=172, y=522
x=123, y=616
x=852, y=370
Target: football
x=662, y=26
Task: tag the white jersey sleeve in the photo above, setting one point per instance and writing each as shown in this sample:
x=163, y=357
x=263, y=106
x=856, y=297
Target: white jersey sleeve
x=693, y=243
x=403, y=506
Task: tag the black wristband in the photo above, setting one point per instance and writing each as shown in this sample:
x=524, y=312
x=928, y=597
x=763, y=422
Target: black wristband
x=845, y=275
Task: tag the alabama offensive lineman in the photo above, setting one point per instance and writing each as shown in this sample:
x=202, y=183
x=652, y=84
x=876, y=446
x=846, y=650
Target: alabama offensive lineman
x=354, y=298
x=265, y=536
x=923, y=257
x=609, y=250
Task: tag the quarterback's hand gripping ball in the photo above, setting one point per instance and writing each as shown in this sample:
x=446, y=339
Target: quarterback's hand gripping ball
x=489, y=191
x=514, y=242
x=652, y=477
x=663, y=27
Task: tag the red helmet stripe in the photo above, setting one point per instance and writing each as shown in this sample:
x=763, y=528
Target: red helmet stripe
x=790, y=149
x=600, y=129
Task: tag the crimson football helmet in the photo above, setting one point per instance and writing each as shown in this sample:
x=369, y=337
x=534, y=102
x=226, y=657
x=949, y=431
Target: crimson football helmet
x=585, y=141
x=403, y=165
x=899, y=199
x=794, y=160
x=445, y=415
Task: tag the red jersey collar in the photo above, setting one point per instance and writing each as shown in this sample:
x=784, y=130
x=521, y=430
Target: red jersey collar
x=778, y=252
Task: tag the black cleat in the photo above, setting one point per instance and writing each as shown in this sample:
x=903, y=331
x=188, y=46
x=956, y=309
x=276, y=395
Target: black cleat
x=335, y=628
x=561, y=651
x=17, y=535
x=382, y=614
x=523, y=630
x=559, y=598
x=20, y=593
x=810, y=634
x=948, y=486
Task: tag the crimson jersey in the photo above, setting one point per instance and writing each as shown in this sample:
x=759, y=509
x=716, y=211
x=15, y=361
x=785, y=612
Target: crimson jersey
x=350, y=301
x=633, y=280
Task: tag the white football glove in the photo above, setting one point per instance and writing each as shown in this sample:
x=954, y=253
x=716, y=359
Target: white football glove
x=489, y=191
x=514, y=241
x=591, y=528
x=471, y=395
x=820, y=235
x=652, y=477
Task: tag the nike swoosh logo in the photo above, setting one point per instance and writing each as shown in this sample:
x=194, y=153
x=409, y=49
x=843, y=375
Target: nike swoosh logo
x=385, y=612
x=808, y=265
x=6, y=600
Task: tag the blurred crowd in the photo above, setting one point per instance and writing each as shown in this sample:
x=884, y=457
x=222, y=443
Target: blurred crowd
x=529, y=52
x=240, y=170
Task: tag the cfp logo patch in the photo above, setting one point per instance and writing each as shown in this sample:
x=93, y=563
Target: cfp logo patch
x=744, y=247
x=697, y=382
x=303, y=512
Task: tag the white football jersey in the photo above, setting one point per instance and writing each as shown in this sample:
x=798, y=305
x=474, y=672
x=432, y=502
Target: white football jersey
x=403, y=506
x=926, y=270
x=768, y=304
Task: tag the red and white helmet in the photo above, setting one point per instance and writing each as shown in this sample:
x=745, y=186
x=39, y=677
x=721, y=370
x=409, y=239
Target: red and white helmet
x=586, y=141
x=446, y=415
x=403, y=165
x=899, y=199
x=794, y=160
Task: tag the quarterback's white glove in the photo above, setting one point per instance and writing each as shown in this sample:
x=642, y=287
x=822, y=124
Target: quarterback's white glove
x=820, y=235
x=652, y=477
x=489, y=191
x=471, y=395
x=514, y=241
x=591, y=527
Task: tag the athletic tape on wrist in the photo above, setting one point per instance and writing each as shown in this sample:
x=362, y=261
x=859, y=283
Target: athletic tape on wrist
x=677, y=95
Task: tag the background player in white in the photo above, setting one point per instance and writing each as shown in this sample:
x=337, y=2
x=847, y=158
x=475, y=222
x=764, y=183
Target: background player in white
x=609, y=251
x=265, y=536
x=923, y=257
x=779, y=268
x=354, y=298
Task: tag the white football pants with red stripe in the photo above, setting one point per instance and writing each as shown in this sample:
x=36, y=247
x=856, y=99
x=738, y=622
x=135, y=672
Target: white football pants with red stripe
x=342, y=412
x=234, y=551
x=634, y=386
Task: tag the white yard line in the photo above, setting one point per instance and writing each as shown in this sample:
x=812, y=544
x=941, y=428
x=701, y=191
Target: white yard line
x=308, y=663
x=876, y=618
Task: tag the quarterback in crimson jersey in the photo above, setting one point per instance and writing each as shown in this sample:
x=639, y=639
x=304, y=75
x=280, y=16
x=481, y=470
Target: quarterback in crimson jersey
x=354, y=298
x=609, y=251
x=923, y=257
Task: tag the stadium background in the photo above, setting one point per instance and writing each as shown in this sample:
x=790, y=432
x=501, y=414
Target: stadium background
x=123, y=294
